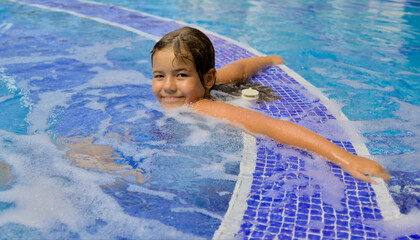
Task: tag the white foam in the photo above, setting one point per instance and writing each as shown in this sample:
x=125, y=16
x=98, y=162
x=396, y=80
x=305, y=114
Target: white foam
x=5, y=98
x=31, y=59
x=407, y=73
x=162, y=194
x=110, y=78
x=95, y=105
x=48, y=190
x=140, y=114
x=359, y=85
x=5, y=26
x=406, y=120
x=11, y=85
x=405, y=225
x=38, y=117
x=214, y=170
x=198, y=136
x=8, y=80
x=318, y=178
x=198, y=210
x=96, y=53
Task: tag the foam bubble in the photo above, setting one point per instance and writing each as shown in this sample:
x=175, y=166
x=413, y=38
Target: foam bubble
x=406, y=123
x=5, y=26
x=97, y=53
x=38, y=117
x=405, y=225
x=107, y=78
x=315, y=177
x=48, y=190
x=359, y=85
x=9, y=81
x=198, y=210
x=140, y=189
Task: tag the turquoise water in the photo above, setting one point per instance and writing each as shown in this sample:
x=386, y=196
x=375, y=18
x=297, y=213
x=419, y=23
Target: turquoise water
x=86, y=152
x=363, y=54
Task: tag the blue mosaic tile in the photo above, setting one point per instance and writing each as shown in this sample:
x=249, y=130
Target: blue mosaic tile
x=403, y=238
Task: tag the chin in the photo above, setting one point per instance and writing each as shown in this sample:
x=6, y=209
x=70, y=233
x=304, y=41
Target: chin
x=172, y=104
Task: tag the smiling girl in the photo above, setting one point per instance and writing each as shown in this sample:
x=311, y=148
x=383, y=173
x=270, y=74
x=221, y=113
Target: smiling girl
x=184, y=73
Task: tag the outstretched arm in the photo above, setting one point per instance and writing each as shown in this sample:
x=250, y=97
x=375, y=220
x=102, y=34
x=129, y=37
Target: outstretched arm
x=244, y=69
x=292, y=134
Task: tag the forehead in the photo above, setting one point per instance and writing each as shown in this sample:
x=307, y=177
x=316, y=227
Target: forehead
x=167, y=56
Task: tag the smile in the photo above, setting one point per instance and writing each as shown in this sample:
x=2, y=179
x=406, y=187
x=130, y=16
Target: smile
x=171, y=98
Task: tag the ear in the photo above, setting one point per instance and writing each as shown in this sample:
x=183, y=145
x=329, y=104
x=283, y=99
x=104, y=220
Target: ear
x=210, y=79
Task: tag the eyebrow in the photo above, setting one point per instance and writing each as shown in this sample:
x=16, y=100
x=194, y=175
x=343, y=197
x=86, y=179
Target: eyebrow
x=175, y=70
x=180, y=69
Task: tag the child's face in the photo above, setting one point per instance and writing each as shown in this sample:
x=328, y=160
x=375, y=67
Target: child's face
x=175, y=80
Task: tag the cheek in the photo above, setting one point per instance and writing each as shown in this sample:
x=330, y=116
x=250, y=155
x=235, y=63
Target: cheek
x=155, y=88
x=194, y=91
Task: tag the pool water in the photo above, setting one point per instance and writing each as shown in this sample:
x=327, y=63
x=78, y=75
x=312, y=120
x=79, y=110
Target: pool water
x=151, y=167
x=92, y=154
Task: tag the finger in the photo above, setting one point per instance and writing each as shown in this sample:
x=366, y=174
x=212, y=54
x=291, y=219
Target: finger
x=365, y=178
x=381, y=173
x=385, y=175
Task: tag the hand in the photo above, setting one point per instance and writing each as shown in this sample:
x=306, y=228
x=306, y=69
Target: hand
x=276, y=60
x=361, y=168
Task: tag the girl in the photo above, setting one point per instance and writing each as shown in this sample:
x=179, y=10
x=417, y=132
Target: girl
x=184, y=73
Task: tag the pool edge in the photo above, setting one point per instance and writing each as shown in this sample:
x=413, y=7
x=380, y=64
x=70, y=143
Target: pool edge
x=231, y=224
x=386, y=203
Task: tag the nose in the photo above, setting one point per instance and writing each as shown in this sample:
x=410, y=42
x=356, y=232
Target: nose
x=169, y=85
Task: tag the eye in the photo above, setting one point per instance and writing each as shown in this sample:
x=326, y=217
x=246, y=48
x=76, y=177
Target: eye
x=182, y=75
x=158, y=76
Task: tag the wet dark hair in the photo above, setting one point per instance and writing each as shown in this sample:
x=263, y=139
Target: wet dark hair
x=189, y=42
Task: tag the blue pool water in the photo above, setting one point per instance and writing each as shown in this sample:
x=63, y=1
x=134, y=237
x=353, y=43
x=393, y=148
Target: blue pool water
x=156, y=169
x=143, y=172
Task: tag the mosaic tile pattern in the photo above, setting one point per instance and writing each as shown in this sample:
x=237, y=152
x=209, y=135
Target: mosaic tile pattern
x=276, y=206
x=285, y=214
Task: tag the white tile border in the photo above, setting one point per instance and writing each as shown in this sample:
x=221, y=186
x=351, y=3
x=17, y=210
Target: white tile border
x=231, y=223
x=386, y=203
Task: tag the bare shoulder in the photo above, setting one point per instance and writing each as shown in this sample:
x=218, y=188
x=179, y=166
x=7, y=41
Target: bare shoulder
x=213, y=108
x=239, y=116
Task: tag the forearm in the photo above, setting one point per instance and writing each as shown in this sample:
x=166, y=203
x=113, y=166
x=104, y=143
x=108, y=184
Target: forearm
x=251, y=66
x=246, y=68
x=292, y=134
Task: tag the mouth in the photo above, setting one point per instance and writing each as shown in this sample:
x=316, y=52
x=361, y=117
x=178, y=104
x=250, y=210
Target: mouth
x=171, y=99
